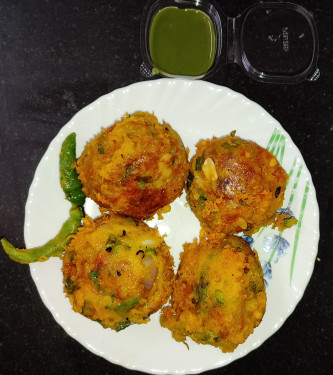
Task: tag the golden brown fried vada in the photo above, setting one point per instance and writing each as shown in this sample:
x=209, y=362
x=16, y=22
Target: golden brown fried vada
x=234, y=185
x=135, y=166
x=117, y=272
x=219, y=295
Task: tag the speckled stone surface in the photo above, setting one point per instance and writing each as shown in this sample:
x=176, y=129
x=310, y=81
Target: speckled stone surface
x=58, y=56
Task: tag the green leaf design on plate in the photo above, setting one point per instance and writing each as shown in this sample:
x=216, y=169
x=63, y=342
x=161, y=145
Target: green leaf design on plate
x=276, y=145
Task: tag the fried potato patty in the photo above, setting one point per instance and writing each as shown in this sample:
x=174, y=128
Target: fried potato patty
x=134, y=167
x=219, y=295
x=117, y=272
x=234, y=185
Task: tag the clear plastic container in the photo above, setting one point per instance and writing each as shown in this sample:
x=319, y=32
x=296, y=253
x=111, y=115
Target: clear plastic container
x=272, y=42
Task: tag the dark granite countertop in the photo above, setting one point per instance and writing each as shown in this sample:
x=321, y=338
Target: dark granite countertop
x=57, y=57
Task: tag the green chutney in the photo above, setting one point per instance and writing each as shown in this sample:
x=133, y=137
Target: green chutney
x=182, y=41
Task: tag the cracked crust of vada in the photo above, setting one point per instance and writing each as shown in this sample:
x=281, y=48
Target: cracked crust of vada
x=219, y=295
x=117, y=272
x=235, y=185
x=135, y=167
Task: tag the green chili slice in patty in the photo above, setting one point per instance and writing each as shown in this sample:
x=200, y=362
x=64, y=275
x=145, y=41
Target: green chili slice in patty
x=199, y=163
x=126, y=306
x=122, y=325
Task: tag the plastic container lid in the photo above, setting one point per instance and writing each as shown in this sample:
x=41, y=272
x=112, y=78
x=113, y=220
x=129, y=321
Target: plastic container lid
x=272, y=42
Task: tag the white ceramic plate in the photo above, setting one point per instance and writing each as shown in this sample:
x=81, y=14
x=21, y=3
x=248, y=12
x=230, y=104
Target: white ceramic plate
x=196, y=109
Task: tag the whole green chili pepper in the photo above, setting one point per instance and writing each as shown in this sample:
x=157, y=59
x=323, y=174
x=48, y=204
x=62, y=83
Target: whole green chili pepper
x=69, y=181
x=72, y=188
x=53, y=247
